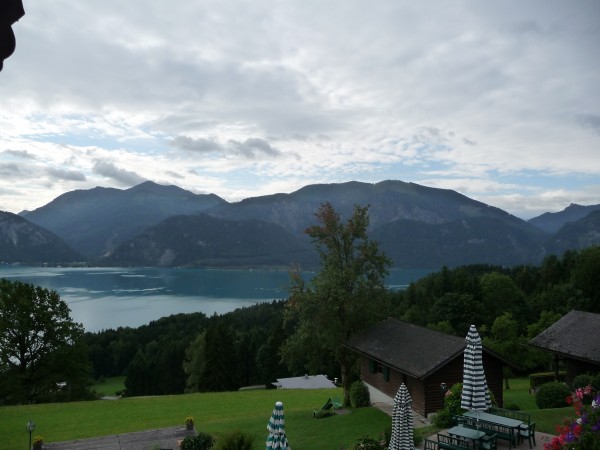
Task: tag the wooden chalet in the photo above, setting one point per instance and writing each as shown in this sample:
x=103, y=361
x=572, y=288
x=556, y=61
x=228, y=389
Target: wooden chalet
x=574, y=339
x=395, y=352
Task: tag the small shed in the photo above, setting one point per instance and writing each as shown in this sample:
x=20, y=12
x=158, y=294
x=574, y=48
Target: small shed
x=574, y=339
x=305, y=382
x=395, y=352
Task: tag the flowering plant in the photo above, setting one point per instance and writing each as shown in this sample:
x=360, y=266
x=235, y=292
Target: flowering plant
x=38, y=440
x=582, y=433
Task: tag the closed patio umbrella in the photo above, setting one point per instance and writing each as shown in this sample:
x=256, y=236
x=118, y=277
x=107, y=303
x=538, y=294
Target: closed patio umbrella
x=475, y=394
x=402, y=421
x=276, y=426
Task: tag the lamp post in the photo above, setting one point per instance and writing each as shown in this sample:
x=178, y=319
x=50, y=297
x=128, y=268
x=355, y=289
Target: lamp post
x=30, y=428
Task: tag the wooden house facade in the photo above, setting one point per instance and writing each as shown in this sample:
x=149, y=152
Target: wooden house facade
x=574, y=339
x=395, y=352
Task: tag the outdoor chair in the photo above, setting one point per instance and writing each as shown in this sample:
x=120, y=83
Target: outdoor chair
x=326, y=410
x=527, y=432
x=328, y=405
x=488, y=442
x=430, y=445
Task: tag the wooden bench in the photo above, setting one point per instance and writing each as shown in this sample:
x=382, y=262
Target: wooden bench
x=455, y=442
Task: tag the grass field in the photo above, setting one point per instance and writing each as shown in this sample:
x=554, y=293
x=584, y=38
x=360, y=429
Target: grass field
x=214, y=413
x=109, y=386
x=545, y=419
x=219, y=413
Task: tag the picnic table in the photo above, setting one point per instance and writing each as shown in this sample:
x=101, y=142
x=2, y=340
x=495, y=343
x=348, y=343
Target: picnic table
x=493, y=418
x=465, y=432
x=504, y=427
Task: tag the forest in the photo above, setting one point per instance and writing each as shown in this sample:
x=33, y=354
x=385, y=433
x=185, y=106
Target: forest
x=196, y=353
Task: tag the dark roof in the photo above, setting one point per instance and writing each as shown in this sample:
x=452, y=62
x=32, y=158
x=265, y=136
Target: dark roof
x=576, y=335
x=414, y=350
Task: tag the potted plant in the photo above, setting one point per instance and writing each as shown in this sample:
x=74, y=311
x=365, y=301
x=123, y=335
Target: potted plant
x=38, y=442
x=189, y=423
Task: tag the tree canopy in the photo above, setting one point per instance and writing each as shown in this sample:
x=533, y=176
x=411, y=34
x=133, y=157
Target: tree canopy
x=42, y=353
x=345, y=296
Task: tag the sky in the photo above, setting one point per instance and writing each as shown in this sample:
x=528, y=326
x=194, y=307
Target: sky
x=498, y=100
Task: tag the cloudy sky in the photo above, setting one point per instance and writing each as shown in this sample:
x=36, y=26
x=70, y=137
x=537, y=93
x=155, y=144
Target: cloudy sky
x=499, y=100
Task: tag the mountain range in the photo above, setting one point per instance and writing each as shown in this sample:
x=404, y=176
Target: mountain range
x=155, y=225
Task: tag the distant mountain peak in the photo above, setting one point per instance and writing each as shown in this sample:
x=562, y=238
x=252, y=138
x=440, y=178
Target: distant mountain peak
x=24, y=242
x=158, y=189
x=552, y=222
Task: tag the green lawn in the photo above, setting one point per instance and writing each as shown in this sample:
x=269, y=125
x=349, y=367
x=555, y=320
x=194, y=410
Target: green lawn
x=214, y=413
x=545, y=419
x=110, y=386
x=219, y=413
x=519, y=394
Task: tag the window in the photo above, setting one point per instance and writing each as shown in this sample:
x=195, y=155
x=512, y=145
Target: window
x=377, y=367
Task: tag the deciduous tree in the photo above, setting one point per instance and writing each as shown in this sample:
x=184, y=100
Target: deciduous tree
x=42, y=353
x=346, y=295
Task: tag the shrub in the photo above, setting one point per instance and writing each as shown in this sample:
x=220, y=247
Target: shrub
x=443, y=418
x=237, y=440
x=367, y=443
x=359, y=395
x=202, y=441
x=387, y=435
x=596, y=382
x=581, y=381
x=512, y=407
x=452, y=400
x=422, y=433
x=552, y=395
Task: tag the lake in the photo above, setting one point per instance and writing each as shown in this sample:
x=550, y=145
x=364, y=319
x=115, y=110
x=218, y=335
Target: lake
x=102, y=298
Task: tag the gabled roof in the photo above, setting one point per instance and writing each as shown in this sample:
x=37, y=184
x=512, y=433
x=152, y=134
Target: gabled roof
x=305, y=382
x=414, y=350
x=576, y=335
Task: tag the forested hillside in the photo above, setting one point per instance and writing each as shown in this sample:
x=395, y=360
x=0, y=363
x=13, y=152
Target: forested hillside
x=198, y=353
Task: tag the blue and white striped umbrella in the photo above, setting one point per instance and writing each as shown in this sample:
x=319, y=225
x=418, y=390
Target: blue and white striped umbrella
x=402, y=421
x=276, y=427
x=475, y=394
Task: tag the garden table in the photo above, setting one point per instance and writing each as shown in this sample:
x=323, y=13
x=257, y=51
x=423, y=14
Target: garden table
x=465, y=432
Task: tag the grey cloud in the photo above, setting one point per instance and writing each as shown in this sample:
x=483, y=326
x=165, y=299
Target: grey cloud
x=251, y=148
x=121, y=176
x=254, y=148
x=200, y=145
x=589, y=121
x=525, y=27
x=174, y=174
x=20, y=154
x=64, y=174
x=9, y=170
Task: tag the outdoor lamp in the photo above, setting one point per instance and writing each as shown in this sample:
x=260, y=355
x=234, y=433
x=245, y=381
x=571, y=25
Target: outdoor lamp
x=30, y=428
x=443, y=389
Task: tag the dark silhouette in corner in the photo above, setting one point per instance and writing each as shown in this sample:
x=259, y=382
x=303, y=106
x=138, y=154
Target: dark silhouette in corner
x=10, y=12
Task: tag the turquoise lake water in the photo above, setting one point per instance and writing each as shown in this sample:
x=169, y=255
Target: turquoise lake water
x=102, y=298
